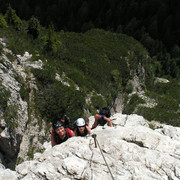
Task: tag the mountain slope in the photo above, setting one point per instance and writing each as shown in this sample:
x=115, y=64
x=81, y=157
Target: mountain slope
x=130, y=153
x=88, y=71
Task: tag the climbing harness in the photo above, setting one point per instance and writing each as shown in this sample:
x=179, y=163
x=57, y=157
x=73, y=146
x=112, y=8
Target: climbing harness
x=96, y=141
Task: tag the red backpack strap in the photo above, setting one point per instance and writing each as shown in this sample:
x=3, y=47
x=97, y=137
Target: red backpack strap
x=68, y=132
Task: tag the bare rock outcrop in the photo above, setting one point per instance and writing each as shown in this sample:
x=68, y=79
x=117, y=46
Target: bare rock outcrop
x=129, y=150
x=15, y=119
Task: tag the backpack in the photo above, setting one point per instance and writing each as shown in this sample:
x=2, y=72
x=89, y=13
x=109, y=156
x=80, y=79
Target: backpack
x=68, y=132
x=105, y=111
x=67, y=122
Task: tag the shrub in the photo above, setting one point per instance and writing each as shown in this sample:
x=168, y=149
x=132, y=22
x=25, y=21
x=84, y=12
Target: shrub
x=167, y=95
x=134, y=101
x=129, y=88
x=19, y=160
x=97, y=101
x=1, y=48
x=51, y=43
x=3, y=23
x=34, y=27
x=12, y=18
x=44, y=76
x=10, y=115
x=4, y=96
x=160, y=114
x=115, y=74
x=31, y=149
x=56, y=99
x=24, y=92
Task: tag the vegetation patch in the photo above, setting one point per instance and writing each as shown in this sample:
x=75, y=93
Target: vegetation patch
x=19, y=160
x=30, y=152
x=24, y=92
x=96, y=61
x=10, y=116
x=1, y=49
x=10, y=57
x=98, y=101
x=132, y=104
x=4, y=96
x=167, y=96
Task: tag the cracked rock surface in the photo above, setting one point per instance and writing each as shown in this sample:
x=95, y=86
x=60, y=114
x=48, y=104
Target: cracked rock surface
x=130, y=150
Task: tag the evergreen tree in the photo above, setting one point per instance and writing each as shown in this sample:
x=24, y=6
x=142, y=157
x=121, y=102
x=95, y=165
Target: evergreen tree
x=167, y=63
x=12, y=18
x=51, y=40
x=34, y=27
x=3, y=23
x=175, y=51
x=149, y=43
x=1, y=49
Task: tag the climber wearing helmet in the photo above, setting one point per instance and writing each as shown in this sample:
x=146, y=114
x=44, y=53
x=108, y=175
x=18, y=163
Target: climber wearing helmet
x=82, y=129
x=60, y=134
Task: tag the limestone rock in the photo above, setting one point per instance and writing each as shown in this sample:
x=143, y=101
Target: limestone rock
x=131, y=149
x=161, y=80
x=15, y=74
x=7, y=174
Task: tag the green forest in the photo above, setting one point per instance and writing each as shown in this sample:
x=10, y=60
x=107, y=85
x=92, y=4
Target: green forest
x=152, y=22
x=88, y=40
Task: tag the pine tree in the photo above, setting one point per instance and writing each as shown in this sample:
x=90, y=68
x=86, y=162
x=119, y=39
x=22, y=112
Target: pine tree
x=34, y=27
x=12, y=18
x=51, y=40
x=3, y=23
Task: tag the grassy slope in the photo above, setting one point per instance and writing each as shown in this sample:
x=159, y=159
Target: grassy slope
x=95, y=61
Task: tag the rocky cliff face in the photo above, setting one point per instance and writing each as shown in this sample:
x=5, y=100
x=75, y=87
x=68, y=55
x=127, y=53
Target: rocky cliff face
x=132, y=150
x=18, y=124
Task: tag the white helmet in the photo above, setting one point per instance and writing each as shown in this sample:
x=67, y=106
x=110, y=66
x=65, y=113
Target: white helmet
x=80, y=122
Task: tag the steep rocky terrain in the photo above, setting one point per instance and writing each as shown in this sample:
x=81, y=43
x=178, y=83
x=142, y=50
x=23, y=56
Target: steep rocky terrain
x=132, y=150
x=22, y=130
x=18, y=123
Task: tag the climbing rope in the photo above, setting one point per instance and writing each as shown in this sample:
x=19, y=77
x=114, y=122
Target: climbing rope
x=96, y=141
